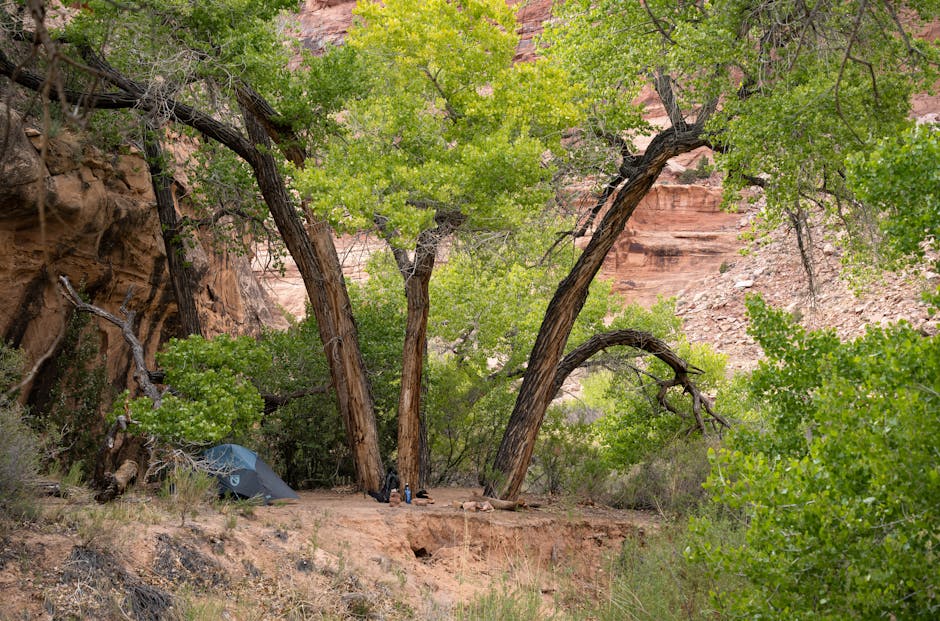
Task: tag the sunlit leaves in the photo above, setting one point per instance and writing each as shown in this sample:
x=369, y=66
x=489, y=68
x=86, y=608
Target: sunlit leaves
x=450, y=125
x=900, y=179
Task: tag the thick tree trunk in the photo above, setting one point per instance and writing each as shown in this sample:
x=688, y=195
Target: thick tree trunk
x=330, y=302
x=538, y=384
x=181, y=277
x=331, y=305
x=411, y=469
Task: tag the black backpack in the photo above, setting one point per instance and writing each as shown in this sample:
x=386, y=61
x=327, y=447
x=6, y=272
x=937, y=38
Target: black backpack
x=391, y=482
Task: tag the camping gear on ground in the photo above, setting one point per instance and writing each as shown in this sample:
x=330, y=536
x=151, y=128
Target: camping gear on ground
x=243, y=474
x=391, y=482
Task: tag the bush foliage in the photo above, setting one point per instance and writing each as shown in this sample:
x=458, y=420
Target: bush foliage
x=19, y=446
x=213, y=397
x=840, y=485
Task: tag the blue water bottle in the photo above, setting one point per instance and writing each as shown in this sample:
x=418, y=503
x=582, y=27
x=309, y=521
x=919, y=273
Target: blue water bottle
x=407, y=494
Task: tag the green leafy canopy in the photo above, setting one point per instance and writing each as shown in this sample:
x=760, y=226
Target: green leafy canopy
x=840, y=487
x=213, y=397
x=799, y=86
x=900, y=179
x=450, y=126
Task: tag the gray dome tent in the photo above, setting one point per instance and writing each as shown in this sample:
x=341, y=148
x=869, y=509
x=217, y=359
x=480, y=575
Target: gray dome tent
x=242, y=473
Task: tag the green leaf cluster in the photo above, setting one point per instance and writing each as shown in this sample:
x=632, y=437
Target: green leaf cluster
x=203, y=54
x=900, y=180
x=839, y=488
x=213, y=397
x=448, y=127
x=179, y=41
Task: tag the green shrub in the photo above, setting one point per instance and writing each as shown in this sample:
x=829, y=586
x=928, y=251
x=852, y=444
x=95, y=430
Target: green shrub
x=502, y=605
x=69, y=417
x=567, y=458
x=702, y=170
x=19, y=446
x=669, y=481
x=653, y=581
x=185, y=490
x=840, y=485
x=214, y=397
x=19, y=462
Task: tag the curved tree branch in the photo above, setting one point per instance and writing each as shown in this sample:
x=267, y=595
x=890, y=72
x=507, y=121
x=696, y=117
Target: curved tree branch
x=702, y=407
x=142, y=375
x=182, y=113
x=81, y=99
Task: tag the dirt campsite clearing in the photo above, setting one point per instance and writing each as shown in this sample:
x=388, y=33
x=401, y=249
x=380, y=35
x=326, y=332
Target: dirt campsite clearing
x=331, y=554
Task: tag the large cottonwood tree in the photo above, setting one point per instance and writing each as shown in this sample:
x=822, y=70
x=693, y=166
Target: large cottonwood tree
x=451, y=136
x=218, y=68
x=784, y=90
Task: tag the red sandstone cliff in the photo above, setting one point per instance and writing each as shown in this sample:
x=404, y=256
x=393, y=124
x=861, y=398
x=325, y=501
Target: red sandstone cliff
x=99, y=227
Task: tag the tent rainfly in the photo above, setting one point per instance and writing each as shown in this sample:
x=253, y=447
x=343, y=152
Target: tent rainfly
x=243, y=474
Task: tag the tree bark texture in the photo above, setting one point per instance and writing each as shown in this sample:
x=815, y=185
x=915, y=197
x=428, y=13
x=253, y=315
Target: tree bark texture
x=181, y=277
x=538, y=384
x=318, y=263
x=417, y=275
x=118, y=481
x=331, y=305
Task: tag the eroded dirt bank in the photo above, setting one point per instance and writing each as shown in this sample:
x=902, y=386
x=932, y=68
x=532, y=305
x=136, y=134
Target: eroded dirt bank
x=330, y=555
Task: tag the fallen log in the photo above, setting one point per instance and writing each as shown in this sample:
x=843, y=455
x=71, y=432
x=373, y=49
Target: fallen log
x=504, y=505
x=118, y=481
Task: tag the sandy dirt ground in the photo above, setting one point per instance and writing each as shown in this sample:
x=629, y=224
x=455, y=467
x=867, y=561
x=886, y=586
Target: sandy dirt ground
x=329, y=555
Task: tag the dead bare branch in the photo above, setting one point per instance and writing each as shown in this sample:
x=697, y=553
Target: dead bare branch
x=126, y=325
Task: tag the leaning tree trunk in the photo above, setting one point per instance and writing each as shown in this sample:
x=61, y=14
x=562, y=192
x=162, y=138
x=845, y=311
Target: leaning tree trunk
x=417, y=274
x=538, y=384
x=330, y=301
x=328, y=298
x=181, y=277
